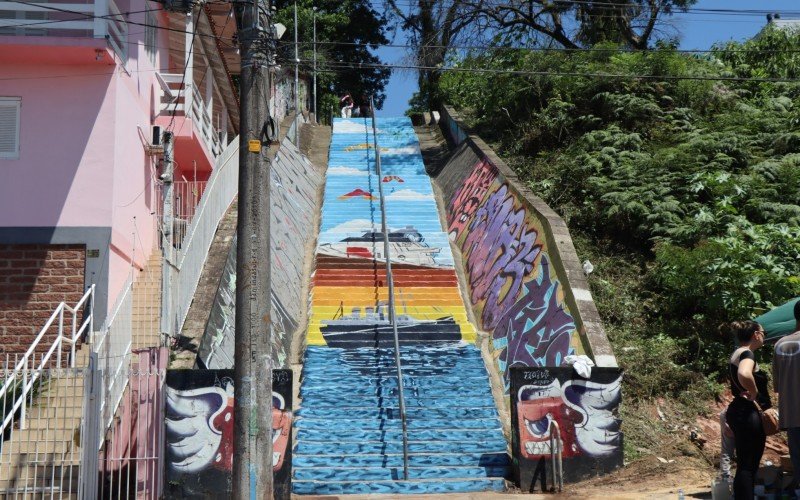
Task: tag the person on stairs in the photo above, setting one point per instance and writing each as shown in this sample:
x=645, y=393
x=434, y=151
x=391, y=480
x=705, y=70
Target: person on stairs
x=749, y=386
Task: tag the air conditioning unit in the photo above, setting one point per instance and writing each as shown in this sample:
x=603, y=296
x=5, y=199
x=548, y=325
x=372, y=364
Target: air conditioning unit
x=156, y=136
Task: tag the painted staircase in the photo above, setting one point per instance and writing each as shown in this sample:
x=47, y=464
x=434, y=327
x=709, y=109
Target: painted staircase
x=349, y=433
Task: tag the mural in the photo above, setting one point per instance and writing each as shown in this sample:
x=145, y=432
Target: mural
x=349, y=434
x=350, y=300
x=508, y=270
x=199, y=432
x=585, y=412
x=294, y=185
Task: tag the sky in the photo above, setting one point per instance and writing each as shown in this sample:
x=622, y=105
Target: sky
x=694, y=30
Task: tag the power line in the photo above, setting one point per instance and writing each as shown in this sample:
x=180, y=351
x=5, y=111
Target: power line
x=344, y=65
x=555, y=49
x=92, y=16
x=183, y=77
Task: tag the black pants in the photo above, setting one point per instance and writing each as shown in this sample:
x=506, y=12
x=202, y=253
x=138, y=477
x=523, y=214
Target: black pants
x=745, y=422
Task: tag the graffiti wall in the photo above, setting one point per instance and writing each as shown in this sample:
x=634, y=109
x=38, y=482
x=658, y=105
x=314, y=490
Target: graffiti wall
x=199, y=433
x=555, y=402
x=516, y=261
x=293, y=193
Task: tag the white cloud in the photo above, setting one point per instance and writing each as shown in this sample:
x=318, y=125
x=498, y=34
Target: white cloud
x=345, y=171
x=409, y=195
x=407, y=150
x=351, y=127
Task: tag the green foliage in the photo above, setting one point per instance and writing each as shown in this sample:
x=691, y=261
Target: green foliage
x=357, y=27
x=696, y=183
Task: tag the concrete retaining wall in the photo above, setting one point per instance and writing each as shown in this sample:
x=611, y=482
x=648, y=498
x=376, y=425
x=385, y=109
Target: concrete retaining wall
x=294, y=185
x=524, y=280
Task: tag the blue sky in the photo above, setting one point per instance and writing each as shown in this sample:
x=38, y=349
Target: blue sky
x=695, y=31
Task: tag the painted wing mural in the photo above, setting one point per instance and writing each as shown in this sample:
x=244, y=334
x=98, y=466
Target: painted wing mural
x=586, y=411
x=199, y=433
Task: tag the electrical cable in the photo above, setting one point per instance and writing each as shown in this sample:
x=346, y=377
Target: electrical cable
x=553, y=49
x=342, y=65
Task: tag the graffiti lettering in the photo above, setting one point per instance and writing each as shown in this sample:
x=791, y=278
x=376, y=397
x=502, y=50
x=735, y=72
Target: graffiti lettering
x=469, y=197
x=536, y=331
x=500, y=251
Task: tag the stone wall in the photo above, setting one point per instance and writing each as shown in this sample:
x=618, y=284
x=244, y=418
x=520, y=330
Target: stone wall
x=525, y=283
x=34, y=279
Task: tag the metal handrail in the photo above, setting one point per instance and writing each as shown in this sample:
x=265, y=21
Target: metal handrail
x=31, y=375
x=557, y=464
x=390, y=282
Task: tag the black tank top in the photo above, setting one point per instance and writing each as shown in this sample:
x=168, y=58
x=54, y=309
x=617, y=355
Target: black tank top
x=761, y=378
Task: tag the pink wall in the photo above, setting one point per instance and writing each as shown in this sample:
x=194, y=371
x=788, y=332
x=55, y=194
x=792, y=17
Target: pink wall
x=82, y=161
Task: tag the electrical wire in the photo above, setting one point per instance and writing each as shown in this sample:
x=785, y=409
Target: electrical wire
x=551, y=49
x=342, y=65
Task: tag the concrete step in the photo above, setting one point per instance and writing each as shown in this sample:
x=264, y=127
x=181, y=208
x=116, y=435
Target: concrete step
x=343, y=434
x=379, y=424
x=395, y=473
x=412, y=414
x=429, y=486
x=306, y=447
x=486, y=459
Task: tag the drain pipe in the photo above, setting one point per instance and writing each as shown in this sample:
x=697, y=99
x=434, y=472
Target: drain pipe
x=390, y=282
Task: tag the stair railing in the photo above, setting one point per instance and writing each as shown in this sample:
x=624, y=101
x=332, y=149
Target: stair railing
x=556, y=462
x=19, y=383
x=390, y=283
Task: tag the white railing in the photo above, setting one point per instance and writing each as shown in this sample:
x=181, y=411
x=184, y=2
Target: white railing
x=173, y=100
x=113, y=348
x=19, y=382
x=98, y=19
x=189, y=258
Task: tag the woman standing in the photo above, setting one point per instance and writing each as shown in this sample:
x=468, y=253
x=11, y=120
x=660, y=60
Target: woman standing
x=749, y=386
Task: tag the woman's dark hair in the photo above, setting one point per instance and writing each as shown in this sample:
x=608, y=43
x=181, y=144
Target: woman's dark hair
x=742, y=330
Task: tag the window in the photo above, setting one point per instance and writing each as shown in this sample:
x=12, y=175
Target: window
x=9, y=127
x=150, y=36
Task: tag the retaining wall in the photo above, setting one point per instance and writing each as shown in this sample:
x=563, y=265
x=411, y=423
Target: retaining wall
x=294, y=185
x=524, y=280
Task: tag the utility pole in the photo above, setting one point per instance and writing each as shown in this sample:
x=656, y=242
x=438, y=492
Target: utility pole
x=296, y=75
x=252, y=445
x=316, y=118
x=167, y=228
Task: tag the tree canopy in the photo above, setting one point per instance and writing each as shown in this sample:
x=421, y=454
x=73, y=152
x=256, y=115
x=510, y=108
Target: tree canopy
x=346, y=32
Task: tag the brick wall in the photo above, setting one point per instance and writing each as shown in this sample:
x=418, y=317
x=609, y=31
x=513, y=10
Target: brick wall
x=33, y=280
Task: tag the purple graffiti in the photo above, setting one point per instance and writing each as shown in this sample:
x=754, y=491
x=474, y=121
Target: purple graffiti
x=537, y=330
x=501, y=250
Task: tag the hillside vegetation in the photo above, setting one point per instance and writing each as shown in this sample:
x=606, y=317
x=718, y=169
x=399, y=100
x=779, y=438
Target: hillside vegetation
x=683, y=193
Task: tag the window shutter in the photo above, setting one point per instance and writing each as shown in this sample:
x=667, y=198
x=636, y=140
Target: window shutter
x=9, y=127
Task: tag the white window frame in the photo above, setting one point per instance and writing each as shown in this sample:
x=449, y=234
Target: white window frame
x=13, y=102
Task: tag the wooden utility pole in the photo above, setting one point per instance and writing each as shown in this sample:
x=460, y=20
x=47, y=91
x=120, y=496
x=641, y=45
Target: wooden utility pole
x=252, y=451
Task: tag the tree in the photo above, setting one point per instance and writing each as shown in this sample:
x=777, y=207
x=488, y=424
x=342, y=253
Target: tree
x=433, y=27
x=576, y=24
x=347, y=31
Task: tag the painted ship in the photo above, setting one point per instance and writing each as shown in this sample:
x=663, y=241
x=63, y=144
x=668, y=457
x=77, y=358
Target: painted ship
x=375, y=330
x=406, y=246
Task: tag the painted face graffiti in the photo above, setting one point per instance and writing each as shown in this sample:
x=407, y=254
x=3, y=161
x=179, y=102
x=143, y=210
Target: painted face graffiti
x=199, y=424
x=584, y=411
x=537, y=330
x=501, y=250
x=469, y=197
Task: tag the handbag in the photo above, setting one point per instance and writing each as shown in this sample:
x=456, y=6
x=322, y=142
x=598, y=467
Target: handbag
x=769, y=420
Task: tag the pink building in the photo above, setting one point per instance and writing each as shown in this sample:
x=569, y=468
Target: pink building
x=81, y=87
